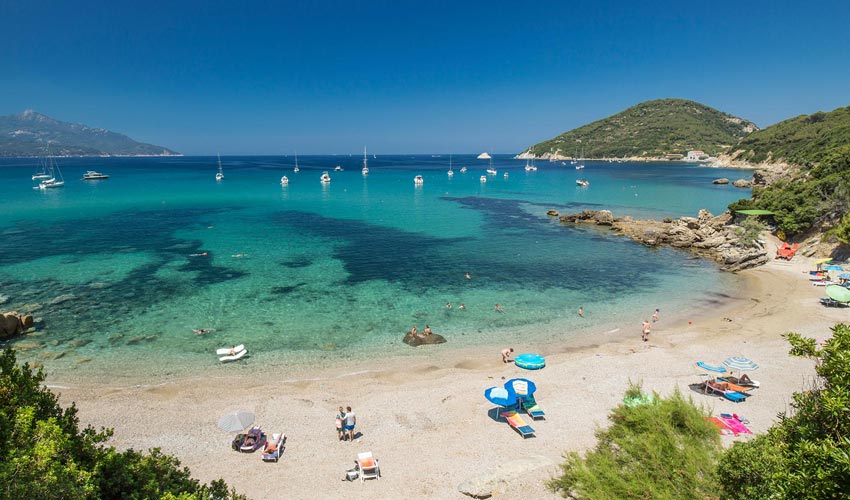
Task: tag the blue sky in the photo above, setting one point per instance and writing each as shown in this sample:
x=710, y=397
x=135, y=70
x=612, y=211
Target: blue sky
x=412, y=77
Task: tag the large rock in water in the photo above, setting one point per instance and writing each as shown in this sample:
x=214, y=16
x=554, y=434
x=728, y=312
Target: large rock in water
x=722, y=180
x=416, y=340
x=742, y=183
x=13, y=323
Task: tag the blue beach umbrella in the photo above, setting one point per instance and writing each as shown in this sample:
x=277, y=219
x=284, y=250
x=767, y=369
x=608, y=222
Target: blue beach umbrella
x=520, y=386
x=833, y=267
x=707, y=369
x=500, y=396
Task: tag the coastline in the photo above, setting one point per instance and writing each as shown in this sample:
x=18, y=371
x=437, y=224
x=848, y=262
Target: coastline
x=426, y=418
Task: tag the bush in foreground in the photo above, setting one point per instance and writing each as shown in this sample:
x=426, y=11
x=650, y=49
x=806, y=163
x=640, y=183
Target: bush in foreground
x=807, y=454
x=44, y=454
x=663, y=448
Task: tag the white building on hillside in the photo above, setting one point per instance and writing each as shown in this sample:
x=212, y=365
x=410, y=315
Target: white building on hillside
x=696, y=156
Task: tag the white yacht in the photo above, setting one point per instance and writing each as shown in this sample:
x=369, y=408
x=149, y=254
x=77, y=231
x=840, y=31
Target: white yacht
x=491, y=171
x=451, y=172
x=338, y=169
x=284, y=181
x=220, y=175
x=91, y=175
x=582, y=182
x=365, y=169
x=463, y=170
x=418, y=180
x=325, y=178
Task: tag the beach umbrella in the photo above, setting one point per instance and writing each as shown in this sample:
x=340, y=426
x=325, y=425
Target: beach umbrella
x=500, y=396
x=823, y=261
x=740, y=363
x=709, y=370
x=520, y=386
x=833, y=267
x=838, y=293
x=236, y=421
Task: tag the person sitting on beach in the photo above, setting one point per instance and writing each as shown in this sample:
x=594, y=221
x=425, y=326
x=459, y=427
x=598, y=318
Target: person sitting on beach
x=499, y=309
x=506, y=354
x=414, y=332
x=427, y=330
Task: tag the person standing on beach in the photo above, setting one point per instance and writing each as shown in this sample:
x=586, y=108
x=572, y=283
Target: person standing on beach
x=645, y=331
x=506, y=354
x=580, y=312
x=350, y=422
x=655, y=315
x=340, y=418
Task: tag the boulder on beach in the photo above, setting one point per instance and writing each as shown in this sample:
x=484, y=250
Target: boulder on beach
x=419, y=339
x=12, y=323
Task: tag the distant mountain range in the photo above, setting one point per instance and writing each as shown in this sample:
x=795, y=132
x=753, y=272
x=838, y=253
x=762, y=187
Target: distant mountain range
x=29, y=133
x=650, y=129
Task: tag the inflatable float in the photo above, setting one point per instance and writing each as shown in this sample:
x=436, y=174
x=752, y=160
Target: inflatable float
x=530, y=361
x=231, y=353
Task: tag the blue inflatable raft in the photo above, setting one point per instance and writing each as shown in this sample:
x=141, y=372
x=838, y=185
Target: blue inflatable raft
x=530, y=361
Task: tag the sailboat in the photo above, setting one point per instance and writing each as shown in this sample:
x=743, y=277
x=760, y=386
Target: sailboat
x=296, y=169
x=41, y=173
x=491, y=170
x=220, y=175
x=580, y=164
x=54, y=179
x=451, y=172
x=365, y=168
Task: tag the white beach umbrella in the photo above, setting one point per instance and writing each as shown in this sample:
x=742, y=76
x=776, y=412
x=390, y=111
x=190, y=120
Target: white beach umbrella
x=236, y=420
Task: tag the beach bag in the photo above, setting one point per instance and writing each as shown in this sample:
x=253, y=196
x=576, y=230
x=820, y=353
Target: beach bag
x=352, y=474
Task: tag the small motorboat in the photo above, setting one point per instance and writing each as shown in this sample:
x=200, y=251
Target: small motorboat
x=506, y=175
x=418, y=180
x=337, y=169
x=450, y=173
x=296, y=170
x=463, y=170
x=582, y=182
x=483, y=178
x=325, y=178
x=91, y=175
x=284, y=181
x=491, y=171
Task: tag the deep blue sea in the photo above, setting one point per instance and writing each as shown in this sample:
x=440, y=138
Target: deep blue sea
x=119, y=272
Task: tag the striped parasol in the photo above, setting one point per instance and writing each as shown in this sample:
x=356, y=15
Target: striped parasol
x=740, y=363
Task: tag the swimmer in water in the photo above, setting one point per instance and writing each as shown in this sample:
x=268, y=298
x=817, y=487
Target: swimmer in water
x=202, y=254
x=202, y=331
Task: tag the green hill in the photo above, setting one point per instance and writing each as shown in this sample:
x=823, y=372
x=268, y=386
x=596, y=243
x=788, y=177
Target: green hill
x=804, y=140
x=816, y=195
x=28, y=134
x=651, y=129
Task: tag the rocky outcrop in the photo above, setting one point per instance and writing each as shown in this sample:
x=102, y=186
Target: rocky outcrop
x=722, y=180
x=705, y=235
x=485, y=484
x=742, y=183
x=13, y=323
x=420, y=339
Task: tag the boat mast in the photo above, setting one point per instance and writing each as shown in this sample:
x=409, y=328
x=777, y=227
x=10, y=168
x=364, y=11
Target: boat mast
x=365, y=161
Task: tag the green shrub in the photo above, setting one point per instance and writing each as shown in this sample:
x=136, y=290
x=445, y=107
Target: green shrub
x=665, y=449
x=44, y=454
x=749, y=231
x=807, y=454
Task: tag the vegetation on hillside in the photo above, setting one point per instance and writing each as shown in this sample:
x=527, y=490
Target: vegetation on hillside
x=44, y=454
x=29, y=133
x=819, y=194
x=663, y=449
x=651, y=129
x=807, y=453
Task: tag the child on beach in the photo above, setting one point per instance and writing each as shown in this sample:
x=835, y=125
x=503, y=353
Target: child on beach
x=645, y=330
x=506, y=354
x=340, y=417
x=655, y=315
x=580, y=312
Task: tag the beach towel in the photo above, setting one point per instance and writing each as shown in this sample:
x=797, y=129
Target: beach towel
x=736, y=425
x=721, y=426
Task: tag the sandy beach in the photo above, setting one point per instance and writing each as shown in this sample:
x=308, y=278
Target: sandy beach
x=427, y=420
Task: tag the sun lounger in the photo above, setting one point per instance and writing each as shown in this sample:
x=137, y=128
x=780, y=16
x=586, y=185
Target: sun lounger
x=723, y=389
x=729, y=385
x=515, y=420
x=823, y=283
x=368, y=466
x=273, y=448
x=254, y=440
x=530, y=406
x=744, y=380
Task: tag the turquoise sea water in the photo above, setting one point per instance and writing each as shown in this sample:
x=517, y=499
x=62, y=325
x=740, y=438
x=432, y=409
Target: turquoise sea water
x=332, y=271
